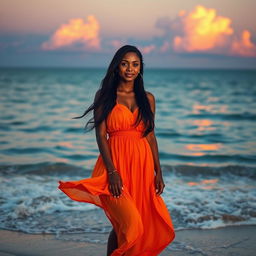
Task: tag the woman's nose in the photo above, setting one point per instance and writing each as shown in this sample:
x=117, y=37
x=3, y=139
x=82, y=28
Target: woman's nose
x=129, y=68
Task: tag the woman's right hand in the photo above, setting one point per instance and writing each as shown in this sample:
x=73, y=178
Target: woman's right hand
x=115, y=184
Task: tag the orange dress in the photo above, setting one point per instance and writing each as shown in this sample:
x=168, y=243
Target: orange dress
x=139, y=217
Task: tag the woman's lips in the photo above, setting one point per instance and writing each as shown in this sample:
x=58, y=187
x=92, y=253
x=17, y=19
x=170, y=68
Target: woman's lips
x=129, y=75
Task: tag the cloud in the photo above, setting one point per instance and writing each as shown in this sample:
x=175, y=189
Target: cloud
x=147, y=49
x=165, y=46
x=243, y=45
x=116, y=43
x=75, y=32
x=202, y=30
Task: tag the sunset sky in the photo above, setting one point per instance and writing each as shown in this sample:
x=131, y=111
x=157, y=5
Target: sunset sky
x=87, y=33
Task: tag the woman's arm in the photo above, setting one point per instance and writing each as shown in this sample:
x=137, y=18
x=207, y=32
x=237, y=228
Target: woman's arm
x=114, y=180
x=151, y=138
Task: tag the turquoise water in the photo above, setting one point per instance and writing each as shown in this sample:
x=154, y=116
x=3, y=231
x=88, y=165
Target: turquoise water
x=203, y=118
x=205, y=128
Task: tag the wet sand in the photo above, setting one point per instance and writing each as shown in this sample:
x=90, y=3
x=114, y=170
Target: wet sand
x=239, y=241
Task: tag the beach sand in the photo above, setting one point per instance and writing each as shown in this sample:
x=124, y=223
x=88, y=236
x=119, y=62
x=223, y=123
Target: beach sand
x=239, y=241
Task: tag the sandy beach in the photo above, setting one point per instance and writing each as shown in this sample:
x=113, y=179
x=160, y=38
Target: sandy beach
x=239, y=241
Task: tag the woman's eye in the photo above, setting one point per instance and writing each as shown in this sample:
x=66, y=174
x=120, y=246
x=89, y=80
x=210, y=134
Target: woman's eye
x=135, y=64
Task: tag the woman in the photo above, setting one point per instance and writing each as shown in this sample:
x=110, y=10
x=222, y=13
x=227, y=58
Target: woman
x=123, y=182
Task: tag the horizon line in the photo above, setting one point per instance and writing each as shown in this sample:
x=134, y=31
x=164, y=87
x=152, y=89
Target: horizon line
x=148, y=68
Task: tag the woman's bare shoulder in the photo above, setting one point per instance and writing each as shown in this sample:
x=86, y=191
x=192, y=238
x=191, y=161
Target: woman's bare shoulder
x=151, y=99
x=150, y=96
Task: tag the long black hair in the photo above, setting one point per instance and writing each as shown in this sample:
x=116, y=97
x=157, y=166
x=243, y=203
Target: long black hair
x=105, y=97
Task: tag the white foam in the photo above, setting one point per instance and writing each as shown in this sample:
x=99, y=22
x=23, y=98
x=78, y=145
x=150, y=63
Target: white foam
x=34, y=204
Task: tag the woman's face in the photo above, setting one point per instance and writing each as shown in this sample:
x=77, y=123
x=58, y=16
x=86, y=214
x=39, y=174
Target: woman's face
x=129, y=66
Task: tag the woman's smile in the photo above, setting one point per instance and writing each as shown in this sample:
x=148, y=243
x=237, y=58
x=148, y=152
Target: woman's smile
x=129, y=75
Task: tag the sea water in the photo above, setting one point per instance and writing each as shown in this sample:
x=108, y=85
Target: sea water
x=205, y=128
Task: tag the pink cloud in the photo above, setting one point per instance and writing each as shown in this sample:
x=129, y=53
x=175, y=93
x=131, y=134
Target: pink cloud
x=117, y=43
x=147, y=49
x=203, y=30
x=165, y=46
x=243, y=46
x=76, y=31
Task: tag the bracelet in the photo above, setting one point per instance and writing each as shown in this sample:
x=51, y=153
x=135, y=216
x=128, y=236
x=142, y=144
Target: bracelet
x=112, y=171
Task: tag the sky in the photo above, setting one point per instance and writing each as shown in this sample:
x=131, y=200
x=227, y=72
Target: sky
x=169, y=33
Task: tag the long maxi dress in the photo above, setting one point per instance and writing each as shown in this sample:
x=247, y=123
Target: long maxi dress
x=139, y=217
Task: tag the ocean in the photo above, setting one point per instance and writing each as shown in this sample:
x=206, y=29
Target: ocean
x=206, y=133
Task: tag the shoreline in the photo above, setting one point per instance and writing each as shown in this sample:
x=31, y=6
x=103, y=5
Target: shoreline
x=230, y=240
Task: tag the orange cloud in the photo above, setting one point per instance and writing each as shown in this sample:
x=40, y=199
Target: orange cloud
x=203, y=30
x=76, y=31
x=243, y=46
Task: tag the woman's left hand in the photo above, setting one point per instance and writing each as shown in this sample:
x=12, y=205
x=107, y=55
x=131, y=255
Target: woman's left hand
x=159, y=183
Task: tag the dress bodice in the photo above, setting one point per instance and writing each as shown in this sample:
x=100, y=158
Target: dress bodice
x=122, y=118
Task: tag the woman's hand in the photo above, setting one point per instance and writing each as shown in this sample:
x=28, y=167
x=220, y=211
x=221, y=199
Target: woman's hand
x=159, y=183
x=115, y=184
